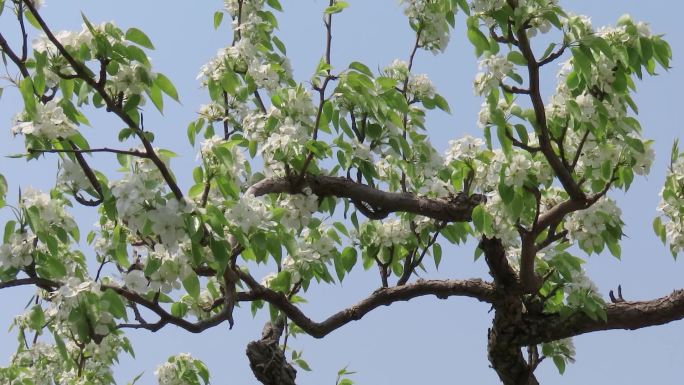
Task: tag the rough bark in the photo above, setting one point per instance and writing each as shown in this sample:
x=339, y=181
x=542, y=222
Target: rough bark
x=267, y=360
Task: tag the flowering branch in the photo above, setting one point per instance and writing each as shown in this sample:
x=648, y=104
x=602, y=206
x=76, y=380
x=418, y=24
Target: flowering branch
x=86, y=75
x=563, y=174
x=321, y=90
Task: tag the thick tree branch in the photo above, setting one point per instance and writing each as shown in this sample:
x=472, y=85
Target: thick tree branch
x=630, y=315
x=455, y=210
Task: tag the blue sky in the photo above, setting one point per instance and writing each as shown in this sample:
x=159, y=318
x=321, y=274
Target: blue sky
x=426, y=340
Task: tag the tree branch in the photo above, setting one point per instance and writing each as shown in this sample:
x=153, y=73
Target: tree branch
x=563, y=174
x=456, y=210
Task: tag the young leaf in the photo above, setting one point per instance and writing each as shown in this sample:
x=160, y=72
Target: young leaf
x=166, y=86
x=138, y=37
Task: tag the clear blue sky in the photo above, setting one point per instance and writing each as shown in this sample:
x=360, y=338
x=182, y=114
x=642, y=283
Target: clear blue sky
x=425, y=340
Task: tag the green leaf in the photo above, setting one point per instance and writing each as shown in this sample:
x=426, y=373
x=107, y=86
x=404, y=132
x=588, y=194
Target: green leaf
x=614, y=248
x=220, y=251
x=437, y=254
x=441, y=103
x=360, y=67
x=478, y=39
x=9, y=230
x=275, y=4
x=281, y=282
x=36, y=318
x=302, y=364
x=27, y=94
x=479, y=218
x=179, y=309
x=659, y=229
x=337, y=7
x=516, y=57
x=504, y=140
x=155, y=95
x=138, y=37
x=560, y=364
x=3, y=191
x=218, y=18
x=167, y=86
x=572, y=80
x=202, y=370
x=191, y=283
x=606, y=170
x=116, y=306
x=349, y=257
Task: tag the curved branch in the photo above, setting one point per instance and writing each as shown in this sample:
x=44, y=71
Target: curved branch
x=164, y=316
x=454, y=210
x=476, y=288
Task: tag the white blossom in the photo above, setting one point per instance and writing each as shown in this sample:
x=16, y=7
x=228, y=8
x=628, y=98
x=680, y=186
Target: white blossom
x=465, y=148
x=298, y=209
x=248, y=213
x=49, y=121
x=421, y=87
x=398, y=70
x=518, y=169
x=495, y=69
x=136, y=281
x=585, y=102
x=17, y=252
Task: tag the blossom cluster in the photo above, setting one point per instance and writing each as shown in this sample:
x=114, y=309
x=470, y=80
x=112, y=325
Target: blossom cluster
x=225, y=158
x=42, y=363
x=495, y=69
x=671, y=207
x=298, y=209
x=48, y=121
x=140, y=200
x=182, y=369
x=17, y=253
x=421, y=87
x=587, y=227
x=248, y=213
x=50, y=211
x=268, y=70
x=132, y=74
x=429, y=20
x=315, y=247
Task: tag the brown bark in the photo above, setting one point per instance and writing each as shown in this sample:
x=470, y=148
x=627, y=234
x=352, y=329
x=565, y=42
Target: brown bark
x=457, y=209
x=267, y=360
